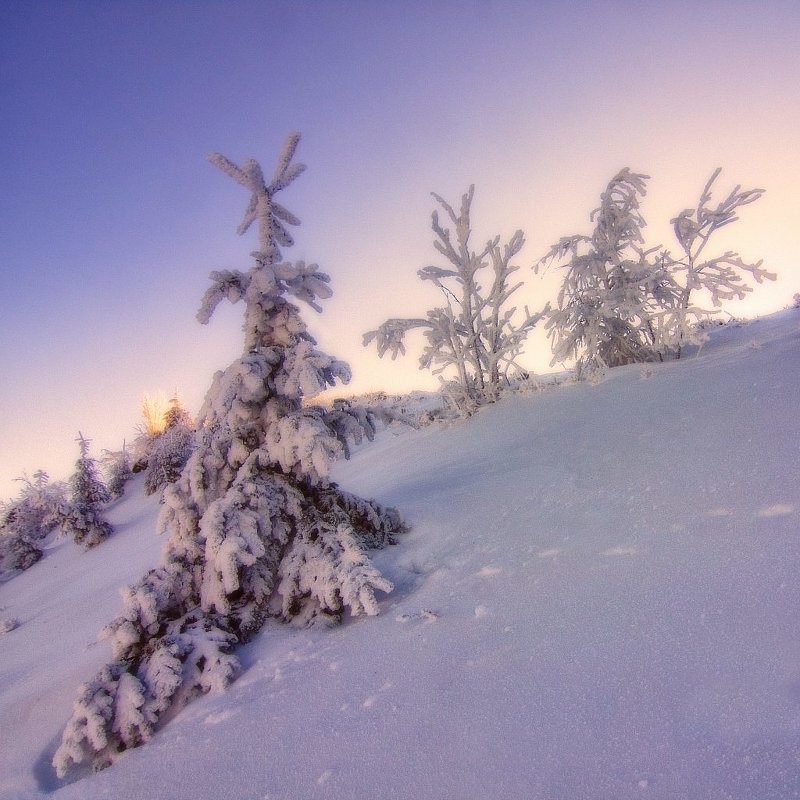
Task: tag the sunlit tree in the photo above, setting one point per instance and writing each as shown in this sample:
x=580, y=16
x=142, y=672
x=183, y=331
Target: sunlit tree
x=476, y=334
x=168, y=451
x=612, y=287
x=722, y=277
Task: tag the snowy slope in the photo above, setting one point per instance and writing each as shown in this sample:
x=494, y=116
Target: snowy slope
x=598, y=599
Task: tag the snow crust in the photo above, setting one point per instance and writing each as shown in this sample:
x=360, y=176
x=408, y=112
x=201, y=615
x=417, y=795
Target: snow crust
x=598, y=599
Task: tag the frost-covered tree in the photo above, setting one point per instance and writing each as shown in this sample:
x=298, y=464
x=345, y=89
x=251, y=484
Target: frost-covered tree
x=169, y=450
x=82, y=517
x=159, y=417
x=612, y=288
x=153, y=423
x=168, y=455
x=33, y=514
x=255, y=527
x=476, y=334
x=176, y=413
x=119, y=466
x=722, y=277
x=28, y=519
x=17, y=553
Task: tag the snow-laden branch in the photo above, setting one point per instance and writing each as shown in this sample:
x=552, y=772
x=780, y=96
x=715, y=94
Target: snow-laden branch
x=476, y=333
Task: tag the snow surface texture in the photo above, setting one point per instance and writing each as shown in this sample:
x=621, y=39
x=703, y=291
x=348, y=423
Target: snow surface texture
x=598, y=599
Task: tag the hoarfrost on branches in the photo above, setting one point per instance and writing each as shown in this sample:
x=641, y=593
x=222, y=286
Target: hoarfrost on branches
x=119, y=467
x=169, y=450
x=612, y=286
x=255, y=527
x=27, y=520
x=621, y=303
x=476, y=334
x=17, y=553
x=154, y=409
x=33, y=514
x=722, y=277
x=82, y=517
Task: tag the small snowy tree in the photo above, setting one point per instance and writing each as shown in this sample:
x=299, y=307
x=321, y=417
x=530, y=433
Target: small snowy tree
x=612, y=288
x=722, y=277
x=176, y=413
x=119, y=470
x=82, y=517
x=476, y=332
x=28, y=519
x=17, y=553
x=33, y=514
x=170, y=450
x=255, y=527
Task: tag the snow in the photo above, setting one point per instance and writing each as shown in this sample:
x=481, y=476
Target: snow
x=598, y=599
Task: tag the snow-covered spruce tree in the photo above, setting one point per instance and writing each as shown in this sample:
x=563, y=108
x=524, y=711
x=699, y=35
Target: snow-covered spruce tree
x=118, y=469
x=256, y=528
x=17, y=553
x=176, y=413
x=476, y=333
x=82, y=517
x=33, y=514
x=722, y=277
x=170, y=450
x=26, y=520
x=612, y=288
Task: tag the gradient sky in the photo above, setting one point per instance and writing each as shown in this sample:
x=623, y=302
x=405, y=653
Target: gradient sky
x=111, y=219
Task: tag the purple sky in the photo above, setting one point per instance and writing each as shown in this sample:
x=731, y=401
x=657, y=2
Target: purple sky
x=111, y=219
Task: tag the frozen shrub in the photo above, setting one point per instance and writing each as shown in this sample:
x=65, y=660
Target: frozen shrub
x=620, y=303
x=17, y=553
x=165, y=441
x=154, y=410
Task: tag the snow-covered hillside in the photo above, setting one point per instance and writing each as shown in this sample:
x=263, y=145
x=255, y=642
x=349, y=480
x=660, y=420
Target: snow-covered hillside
x=598, y=600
